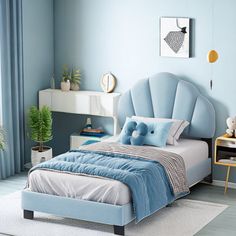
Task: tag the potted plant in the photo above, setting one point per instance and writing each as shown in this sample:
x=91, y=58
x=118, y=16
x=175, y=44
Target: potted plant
x=65, y=83
x=2, y=139
x=40, y=125
x=75, y=80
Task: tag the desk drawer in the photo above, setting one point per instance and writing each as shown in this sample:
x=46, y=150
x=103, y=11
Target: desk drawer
x=71, y=103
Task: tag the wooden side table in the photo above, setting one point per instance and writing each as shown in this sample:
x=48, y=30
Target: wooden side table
x=225, y=154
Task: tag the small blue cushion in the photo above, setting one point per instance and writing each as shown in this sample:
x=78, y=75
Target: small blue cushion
x=134, y=133
x=157, y=133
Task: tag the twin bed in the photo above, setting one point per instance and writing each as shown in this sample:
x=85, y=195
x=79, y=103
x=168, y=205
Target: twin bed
x=82, y=194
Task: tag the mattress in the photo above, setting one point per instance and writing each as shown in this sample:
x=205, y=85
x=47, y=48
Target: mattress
x=193, y=152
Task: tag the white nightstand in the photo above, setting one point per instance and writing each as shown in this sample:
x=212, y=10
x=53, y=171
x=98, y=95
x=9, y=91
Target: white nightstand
x=76, y=140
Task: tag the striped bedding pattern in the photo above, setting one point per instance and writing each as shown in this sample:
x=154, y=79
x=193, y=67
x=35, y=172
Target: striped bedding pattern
x=172, y=162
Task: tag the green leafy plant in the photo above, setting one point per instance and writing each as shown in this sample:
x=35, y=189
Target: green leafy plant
x=65, y=74
x=75, y=77
x=40, y=125
x=2, y=139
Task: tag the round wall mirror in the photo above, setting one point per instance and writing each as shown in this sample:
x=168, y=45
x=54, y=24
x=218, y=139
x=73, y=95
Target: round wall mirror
x=108, y=82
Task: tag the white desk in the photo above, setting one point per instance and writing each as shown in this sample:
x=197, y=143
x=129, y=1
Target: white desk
x=81, y=102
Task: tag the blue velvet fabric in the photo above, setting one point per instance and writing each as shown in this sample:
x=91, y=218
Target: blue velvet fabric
x=157, y=133
x=165, y=95
x=80, y=209
x=147, y=180
x=134, y=133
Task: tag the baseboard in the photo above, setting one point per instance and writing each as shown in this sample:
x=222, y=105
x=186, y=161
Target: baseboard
x=221, y=183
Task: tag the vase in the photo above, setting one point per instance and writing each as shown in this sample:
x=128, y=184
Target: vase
x=65, y=86
x=39, y=157
x=74, y=86
x=52, y=82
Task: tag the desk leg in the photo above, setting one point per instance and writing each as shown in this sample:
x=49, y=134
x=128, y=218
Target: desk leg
x=116, y=129
x=227, y=179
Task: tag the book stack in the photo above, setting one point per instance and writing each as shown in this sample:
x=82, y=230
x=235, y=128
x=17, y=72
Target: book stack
x=92, y=132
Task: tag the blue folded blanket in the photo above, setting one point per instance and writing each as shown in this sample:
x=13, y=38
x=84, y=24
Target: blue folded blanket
x=147, y=179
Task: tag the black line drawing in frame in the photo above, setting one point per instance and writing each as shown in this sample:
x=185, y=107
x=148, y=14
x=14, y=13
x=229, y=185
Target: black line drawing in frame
x=174, y=37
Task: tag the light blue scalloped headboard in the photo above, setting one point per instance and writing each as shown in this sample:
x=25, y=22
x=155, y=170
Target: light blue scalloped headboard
x=165, y=95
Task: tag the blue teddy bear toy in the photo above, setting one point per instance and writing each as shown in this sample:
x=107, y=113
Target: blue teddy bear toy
x=134, y=133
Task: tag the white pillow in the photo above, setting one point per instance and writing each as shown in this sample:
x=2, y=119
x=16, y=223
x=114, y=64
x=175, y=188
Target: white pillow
x=176, y=129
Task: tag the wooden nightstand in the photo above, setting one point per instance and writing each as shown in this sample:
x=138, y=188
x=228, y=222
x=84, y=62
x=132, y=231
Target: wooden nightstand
x=225, y=154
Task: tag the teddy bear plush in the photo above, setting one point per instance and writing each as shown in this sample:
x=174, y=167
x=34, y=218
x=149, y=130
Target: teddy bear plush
x=231, y=124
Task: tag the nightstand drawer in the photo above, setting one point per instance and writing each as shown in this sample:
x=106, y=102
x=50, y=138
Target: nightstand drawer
x=225, y=148
x=225, y=143
x=76, y=140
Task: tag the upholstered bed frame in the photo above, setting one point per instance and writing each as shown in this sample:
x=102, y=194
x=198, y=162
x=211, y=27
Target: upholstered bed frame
x=162, y=95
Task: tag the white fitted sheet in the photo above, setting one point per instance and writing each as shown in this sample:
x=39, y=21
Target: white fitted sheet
x=105, y=190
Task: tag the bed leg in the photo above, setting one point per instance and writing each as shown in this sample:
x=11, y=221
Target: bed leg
x=119, y=230
x=209, y=179
x=28, y=214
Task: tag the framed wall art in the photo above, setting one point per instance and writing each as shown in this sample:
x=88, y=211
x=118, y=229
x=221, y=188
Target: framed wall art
x=174, y=37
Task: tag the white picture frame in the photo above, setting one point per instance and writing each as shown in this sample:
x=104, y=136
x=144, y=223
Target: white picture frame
x=174, y=37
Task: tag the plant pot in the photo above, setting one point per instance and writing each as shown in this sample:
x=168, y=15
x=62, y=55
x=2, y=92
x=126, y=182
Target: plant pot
x=38, y=157
x=74, y=87
x=65, y=86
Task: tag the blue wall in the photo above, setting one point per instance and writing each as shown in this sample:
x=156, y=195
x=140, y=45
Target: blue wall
x=38, y=49
x=122, y=36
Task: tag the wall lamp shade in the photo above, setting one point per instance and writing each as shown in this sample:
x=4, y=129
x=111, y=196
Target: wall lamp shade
x=212, y=56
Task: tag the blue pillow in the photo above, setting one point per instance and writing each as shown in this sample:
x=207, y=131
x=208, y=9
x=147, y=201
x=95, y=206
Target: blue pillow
x=134, y=133
x=157, y=132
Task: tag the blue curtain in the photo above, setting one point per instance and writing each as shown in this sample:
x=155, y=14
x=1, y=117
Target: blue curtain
x=12, y=159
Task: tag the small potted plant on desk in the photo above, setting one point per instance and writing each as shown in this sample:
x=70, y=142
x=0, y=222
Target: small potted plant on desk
x=40, y=125
x=75, y=80
x=65, y=83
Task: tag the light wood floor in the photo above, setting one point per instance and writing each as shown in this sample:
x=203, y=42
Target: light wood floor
x=225, y=223
x=13, y=184
x=222, y=225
